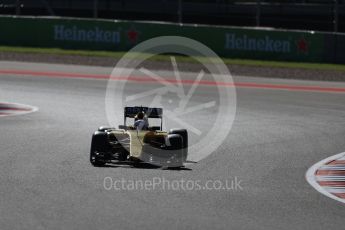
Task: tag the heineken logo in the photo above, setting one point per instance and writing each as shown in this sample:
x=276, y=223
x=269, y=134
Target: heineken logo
x=132, y=35
x=95, y=34
x=264, y=44
x=302, y=45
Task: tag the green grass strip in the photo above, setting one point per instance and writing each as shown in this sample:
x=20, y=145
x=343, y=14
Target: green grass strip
x=229, y=61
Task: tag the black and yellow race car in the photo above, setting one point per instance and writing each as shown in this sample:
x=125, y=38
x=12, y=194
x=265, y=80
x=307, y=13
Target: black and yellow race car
x=136, y=145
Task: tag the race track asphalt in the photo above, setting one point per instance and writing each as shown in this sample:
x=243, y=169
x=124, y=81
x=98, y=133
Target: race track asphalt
x=47, y=181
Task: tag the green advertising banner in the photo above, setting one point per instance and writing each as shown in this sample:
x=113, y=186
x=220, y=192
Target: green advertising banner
x=121, y=36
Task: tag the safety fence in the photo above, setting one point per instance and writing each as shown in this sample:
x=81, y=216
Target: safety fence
x=233, y=42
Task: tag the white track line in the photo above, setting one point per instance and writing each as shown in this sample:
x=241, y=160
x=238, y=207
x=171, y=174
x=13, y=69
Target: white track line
x=333, y=167
x=335, y=190
x=312, y=178
x=330, y=178
x=32, y=109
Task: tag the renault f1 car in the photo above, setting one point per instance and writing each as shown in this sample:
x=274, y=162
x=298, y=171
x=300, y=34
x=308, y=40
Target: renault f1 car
x=137, y=145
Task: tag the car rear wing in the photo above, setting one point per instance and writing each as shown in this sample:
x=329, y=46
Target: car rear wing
x=150, y=112
x=131, y=112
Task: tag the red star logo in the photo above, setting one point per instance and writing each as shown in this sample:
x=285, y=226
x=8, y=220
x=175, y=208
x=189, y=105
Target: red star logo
x=302, y=45
x=132, y=35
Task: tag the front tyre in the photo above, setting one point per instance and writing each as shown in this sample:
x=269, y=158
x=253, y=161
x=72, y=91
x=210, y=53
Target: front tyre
x=99, y=146
x=184, y=134
x=105, y=128
x=175, y=145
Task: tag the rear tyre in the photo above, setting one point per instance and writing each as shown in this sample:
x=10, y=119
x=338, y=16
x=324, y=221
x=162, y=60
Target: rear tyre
x=99, y=145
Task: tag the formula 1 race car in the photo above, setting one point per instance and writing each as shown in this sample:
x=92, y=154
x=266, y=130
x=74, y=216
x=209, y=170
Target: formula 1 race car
x=136, y=145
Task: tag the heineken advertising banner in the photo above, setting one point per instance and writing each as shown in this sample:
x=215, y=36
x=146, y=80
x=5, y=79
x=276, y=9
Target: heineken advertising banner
x=122, y=35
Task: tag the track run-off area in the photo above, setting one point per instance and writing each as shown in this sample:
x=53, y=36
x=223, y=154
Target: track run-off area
x=281, y=129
